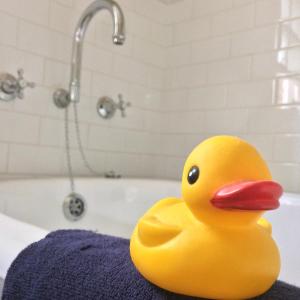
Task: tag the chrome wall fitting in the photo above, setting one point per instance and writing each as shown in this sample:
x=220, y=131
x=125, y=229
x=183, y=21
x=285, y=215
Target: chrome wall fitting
x=61, y=98
x=106, y=107
x=112, y=175
x=12, y=87
x=78, y=39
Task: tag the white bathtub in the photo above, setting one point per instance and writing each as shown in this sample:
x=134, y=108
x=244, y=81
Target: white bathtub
x=113, y=207
x=31, y=208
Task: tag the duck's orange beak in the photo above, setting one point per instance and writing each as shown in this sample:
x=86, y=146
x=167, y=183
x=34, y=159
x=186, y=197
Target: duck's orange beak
x=248, y=195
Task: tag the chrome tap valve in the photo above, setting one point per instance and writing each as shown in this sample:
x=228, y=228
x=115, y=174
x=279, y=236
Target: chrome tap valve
x=12, y=87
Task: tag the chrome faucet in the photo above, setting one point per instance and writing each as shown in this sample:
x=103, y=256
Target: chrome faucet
x=87, y=16
x=62, y=98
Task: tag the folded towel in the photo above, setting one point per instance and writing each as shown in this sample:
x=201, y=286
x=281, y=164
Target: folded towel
x=75, y=264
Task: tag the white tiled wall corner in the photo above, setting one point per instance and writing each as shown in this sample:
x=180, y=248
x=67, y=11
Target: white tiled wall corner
x=191, y=69
x=246, y=54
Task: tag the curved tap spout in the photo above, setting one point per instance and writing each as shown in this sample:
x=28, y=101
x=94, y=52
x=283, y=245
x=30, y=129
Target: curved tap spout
x=87, y=16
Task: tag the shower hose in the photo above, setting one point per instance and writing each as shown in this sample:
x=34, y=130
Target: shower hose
x=79, y=144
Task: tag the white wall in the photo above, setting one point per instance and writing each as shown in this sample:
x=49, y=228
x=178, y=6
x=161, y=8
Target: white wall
x=191, y=70
x=36, y=35
x=233, y=69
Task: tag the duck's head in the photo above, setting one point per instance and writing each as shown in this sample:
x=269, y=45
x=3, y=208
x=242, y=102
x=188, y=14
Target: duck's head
x=226, y=182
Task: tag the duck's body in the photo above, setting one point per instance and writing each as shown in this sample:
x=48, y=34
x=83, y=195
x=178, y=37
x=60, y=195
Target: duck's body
x=223, y=256
x=190, y=252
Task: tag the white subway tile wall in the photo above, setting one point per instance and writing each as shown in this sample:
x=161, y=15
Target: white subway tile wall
x=37, y=36
x=233, y=68
x=191, y=69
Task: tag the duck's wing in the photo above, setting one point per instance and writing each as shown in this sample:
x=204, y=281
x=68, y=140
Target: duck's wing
x=264, y=223
x=172, y=212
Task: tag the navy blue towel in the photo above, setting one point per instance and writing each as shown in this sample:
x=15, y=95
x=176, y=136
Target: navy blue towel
x=75, y=265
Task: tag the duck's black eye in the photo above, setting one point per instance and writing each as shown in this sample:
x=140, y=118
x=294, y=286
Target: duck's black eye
x=193, y=175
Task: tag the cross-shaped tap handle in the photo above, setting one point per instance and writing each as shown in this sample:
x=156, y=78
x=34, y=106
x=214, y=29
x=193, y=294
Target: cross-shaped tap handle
x=22, y=84
x=122, y=105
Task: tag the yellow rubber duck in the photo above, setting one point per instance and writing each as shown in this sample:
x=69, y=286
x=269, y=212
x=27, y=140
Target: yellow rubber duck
x=213, y=243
